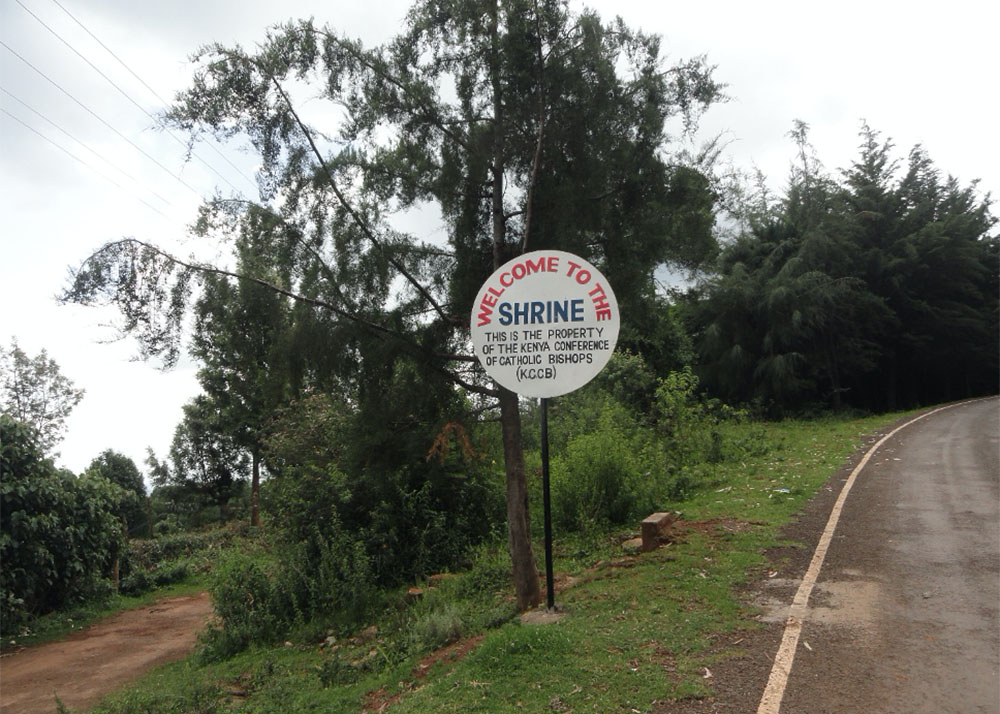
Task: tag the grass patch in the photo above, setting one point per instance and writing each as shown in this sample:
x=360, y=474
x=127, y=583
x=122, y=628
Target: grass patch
x=636, y=629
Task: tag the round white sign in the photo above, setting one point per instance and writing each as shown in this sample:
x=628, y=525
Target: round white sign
x=545, y=323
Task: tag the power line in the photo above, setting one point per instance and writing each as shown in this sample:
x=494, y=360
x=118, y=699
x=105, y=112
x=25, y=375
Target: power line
x=99, y=118
x=73, y=138
x=125, y=94
x=156, y=94
x=77, y=158
x=110, y=52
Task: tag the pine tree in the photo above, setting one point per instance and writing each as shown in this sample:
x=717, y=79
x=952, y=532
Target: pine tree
x=522, y=125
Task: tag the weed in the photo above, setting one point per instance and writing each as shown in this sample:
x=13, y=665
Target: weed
x=437, y=628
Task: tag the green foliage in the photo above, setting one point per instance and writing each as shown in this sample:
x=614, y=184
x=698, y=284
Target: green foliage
x=629, y=637
x=874, y=291
x=416, y=500
x=33, y=391
x=58, y=534
x=206, y=457
x=325, y=576
x=595, y=480
x=170, y=559
x=526, y=126
x=181, y=507
x=437, y=628
x=120, y=469
x=187, y=698
x=630, y=443
x=149, y=554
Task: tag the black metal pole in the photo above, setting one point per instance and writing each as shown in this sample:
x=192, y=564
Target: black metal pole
x=547, y=506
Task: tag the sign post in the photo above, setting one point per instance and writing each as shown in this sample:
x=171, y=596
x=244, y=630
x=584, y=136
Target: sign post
x=544, y=324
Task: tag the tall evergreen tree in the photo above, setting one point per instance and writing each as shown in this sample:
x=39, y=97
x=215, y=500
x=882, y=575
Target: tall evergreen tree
x=523, y=124
x=243, y=338
x=876, y=290
x=205, y=455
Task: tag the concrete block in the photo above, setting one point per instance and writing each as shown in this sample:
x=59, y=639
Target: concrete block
x=655, y=527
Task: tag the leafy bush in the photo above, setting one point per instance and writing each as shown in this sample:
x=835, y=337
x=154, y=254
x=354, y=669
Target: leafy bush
x=412, y=521
x=135, y=583
x=242, y=596
x=138, y=582
x=423, y=518
x=596, y=478
x=150, y=554
x=629, y=444
x=154, y=563
x=176, y=508
x=324, y=576
x=170, y=575
x=490, y=573
x=58, y=533
x=438, y=627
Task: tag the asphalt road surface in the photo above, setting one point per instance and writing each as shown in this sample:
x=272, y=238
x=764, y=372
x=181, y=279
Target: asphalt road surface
x=905, y=615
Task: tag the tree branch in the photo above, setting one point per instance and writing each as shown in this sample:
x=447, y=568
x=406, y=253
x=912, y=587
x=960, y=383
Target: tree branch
x=428, y=111
x=355, y=216
x=430, y=358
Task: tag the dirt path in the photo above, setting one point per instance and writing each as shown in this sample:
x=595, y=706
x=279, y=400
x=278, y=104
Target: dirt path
x=98, y=660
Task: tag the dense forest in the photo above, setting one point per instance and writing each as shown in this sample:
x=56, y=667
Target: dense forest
x=878, y=289
x=341, y=408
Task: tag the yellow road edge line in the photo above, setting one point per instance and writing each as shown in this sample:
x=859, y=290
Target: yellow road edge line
x=770, y=701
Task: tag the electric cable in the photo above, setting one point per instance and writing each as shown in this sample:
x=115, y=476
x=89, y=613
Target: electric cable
x=78, y=159
x=152, y=91
x=127, y=96
x=78, y=141
x=99, y=118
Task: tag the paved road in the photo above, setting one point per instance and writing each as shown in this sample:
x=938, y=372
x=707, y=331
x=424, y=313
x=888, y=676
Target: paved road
x=905, y=616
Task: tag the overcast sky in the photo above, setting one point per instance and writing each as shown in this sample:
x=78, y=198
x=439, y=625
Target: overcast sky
x=917, y=72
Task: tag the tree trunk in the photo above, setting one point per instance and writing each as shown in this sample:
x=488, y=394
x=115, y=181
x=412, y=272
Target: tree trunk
x=526, y=585
x=255, y=490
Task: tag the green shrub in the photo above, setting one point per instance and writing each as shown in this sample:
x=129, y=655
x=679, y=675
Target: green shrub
x=58, y=533
x=170, y=575
x=336, y=670
x=242, y=595
x=591, y=481
x=629, y=444
x=437, y=628
x=323, y=577
x=135, y=583
x=151, y=554
x=413, y=521
x=490, y=573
